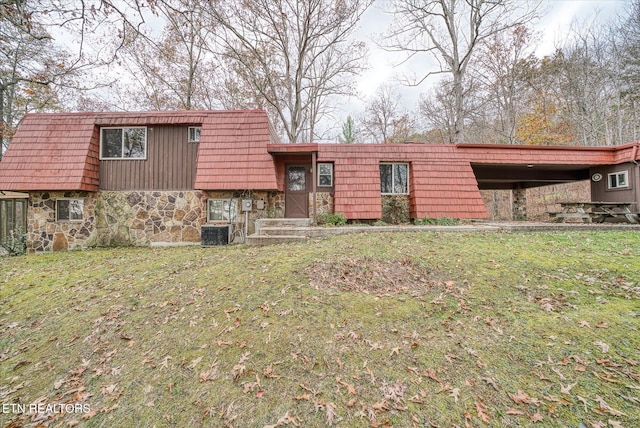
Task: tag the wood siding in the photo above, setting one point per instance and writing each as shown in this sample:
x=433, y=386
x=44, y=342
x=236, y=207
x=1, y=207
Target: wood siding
x=601, y=192
x=170, y=163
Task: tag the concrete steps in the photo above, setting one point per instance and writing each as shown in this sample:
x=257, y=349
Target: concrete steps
x=270, y=231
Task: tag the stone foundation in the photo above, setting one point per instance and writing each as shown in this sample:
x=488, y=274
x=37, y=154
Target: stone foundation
x=44, y=233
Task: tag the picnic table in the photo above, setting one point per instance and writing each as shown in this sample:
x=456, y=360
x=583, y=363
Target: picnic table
x=598, y=211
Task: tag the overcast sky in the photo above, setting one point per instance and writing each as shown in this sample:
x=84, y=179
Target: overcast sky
x=383, y=65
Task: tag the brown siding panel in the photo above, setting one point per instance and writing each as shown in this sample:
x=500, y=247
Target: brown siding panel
x=170, y=163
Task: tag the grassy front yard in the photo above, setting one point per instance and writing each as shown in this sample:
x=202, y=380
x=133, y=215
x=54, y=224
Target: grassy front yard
x=408, y=329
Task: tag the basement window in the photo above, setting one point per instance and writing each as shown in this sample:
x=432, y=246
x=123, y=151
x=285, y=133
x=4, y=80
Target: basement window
x=69, y=209
x=222, y=210
x=618, y=180
x=394, y=178
x=123, y=143
x=194, y=134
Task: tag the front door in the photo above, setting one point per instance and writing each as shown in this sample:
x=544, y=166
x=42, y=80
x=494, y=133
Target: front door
x=298, y=180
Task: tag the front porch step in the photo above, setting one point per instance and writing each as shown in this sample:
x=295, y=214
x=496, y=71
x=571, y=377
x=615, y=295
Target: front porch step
x=281, y=222
x=258, y=240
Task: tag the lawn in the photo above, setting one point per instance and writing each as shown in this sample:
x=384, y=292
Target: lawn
x=371, y=330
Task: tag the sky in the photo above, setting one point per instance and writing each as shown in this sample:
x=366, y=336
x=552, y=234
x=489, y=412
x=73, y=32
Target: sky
x=384, y=68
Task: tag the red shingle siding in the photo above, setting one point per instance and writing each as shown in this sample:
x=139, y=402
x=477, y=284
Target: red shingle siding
x=233, y=152
x=440, y=185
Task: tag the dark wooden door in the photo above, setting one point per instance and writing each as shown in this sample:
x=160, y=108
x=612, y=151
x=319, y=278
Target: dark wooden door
x=298, y=180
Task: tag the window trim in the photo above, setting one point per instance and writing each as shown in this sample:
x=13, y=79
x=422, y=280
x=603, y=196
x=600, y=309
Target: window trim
x=230, y=212
x=189, y=139
x=324, y=175
x=617, y=174
x=146, y=135
x=393, y=178
x=70, y=220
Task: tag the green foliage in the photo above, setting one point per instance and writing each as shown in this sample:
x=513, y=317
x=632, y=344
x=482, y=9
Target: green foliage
x=348, y=131
x=395, y=209
x=15, y=244
x=380, y=223
x=335, y=219
x=440, y=221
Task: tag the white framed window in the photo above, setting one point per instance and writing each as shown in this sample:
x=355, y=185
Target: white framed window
x=325, y=175
x=222, y=210
x=394, y=178
x=194, y=134
x=123, y=143
x=69, y=209
x=618, y=180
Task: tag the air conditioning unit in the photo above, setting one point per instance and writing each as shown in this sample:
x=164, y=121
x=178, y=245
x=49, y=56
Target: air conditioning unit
x=212, y=235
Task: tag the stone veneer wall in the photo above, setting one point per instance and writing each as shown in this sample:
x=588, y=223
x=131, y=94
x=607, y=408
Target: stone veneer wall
x=324, y=204
x=112, y=218
x=146, y=217
x=44, y=233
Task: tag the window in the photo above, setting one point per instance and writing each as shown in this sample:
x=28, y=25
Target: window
x=123, y=143
x=194, y=134
x=222, y=210
x=394, y=178
x=618, y=180
x=325, y=174
x=69, y=209
x=13, y=217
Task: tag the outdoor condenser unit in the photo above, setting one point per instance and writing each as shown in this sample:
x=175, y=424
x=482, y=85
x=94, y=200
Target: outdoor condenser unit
x=214, y=234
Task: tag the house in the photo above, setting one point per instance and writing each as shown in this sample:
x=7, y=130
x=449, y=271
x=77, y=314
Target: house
x=144, y=178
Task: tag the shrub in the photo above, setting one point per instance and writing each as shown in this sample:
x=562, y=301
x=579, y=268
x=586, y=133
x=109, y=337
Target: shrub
x=15, y=244
x=441, y=221
x=336, y=219
x=380, y=223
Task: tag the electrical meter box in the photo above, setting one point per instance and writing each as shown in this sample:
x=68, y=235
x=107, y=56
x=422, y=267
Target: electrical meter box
x=247, y=205
x=260, y=204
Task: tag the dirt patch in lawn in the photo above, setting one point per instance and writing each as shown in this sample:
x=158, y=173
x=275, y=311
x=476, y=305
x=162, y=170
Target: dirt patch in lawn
x=373, y=276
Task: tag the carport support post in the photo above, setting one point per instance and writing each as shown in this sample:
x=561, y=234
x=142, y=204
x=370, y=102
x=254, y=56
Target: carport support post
x=519, y=203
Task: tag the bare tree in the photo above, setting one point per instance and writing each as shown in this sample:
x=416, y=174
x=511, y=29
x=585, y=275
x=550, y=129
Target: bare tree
x=295, y=54
x=35, y=72
x=499, y=72
x=384, y=120
x=175, y=70
x=450, y=31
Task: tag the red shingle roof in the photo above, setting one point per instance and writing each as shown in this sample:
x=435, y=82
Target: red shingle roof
x=233, y=152
x=52, y=152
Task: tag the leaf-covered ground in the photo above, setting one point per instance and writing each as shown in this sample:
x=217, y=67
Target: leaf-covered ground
x=412, y=329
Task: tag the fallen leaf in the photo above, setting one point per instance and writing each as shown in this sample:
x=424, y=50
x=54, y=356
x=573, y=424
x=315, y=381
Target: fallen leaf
x=583, y=401
x=330, y=410
x=606, y=408
x=482, y=411
x=520, y=397
x=584, y=324
x=566, y=389
x=536, y=417
x=455, y=393
x=513, y=411
x=194, y=363
x=603, y=346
